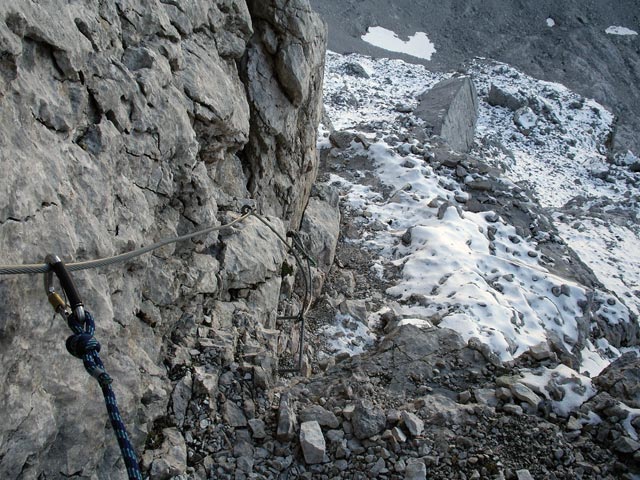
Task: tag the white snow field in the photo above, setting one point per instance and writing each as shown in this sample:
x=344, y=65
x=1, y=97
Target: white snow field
x=617, y=30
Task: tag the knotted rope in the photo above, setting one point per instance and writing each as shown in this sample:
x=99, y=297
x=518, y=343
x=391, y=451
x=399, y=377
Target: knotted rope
x=82, y=344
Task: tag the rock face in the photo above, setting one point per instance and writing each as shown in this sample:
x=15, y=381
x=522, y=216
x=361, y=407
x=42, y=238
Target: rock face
x=122, y=123
x=450, y=110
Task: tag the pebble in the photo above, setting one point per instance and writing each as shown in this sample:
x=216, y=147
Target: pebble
x=413, y=423
x=415, y=471
x=524, y=393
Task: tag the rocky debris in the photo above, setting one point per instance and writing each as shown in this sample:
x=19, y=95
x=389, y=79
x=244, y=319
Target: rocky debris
x=312, y=442
x=450, y=110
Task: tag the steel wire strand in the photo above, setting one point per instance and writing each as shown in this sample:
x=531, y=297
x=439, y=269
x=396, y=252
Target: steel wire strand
x=123, y=257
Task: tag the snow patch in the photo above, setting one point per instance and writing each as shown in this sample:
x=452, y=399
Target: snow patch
x=418, y=44
x=617, y=30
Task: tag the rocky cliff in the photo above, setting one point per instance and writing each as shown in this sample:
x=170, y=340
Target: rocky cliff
x=122, y=123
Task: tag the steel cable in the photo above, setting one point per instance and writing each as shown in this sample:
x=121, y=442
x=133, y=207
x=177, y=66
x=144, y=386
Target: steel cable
x=123, y=257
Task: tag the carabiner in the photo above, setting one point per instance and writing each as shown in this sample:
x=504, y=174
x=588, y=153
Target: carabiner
x=59, y=305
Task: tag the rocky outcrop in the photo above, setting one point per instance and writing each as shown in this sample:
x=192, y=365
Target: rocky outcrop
x=122, y=123
x=450, y=110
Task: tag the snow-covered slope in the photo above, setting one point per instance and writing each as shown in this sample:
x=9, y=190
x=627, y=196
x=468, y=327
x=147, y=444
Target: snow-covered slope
x=475, y=272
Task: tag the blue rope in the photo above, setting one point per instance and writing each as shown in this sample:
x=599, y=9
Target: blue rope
x=82, y=344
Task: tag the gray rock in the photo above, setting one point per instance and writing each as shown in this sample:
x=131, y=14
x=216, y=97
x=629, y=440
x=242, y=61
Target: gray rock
x=415, y=471
x=486, y=396
x=324, y=417
x=257, y=427
x=501, y=97
x=525, y=394
x=180, y=398
x=512, y=409
x=523, y=475
x=355, y=69
x=287, y=422
x=625, y=445
x=541, y=351
x=233, y=415
x=414, y=424
x=450, y=110
x=525, y=119
x=378, y=468
x=171, y=459
x=368, y=420
x=621, y=379
x=342, y=139
x=312, y=442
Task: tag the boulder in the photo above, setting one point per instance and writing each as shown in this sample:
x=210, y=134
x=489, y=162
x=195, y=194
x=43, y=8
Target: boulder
x=450, y=110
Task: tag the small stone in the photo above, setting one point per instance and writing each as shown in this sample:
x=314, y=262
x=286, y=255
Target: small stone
x=486, y=396
x=541, y=351
x=513, y=409
x=525, y=394
x=312, y=442
x=523, y=475
x=257, y=428
x=415, y=471
x=414, y=424
x=625, y=445
x=464, y=397
x=398, y=435
x=574, y=424
x=406, y=238
x=378, y=467
x=321, y=415
x=347, y=412
x=245, y=464
x=335, y=436
x=287, y=421
x=503, y=394
x=233, y=415
x=507, y=380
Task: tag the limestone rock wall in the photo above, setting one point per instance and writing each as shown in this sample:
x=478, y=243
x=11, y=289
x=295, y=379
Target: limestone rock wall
x=123, y=122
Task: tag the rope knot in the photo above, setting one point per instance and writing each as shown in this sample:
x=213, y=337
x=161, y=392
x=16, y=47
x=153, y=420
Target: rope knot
x=80, y=344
